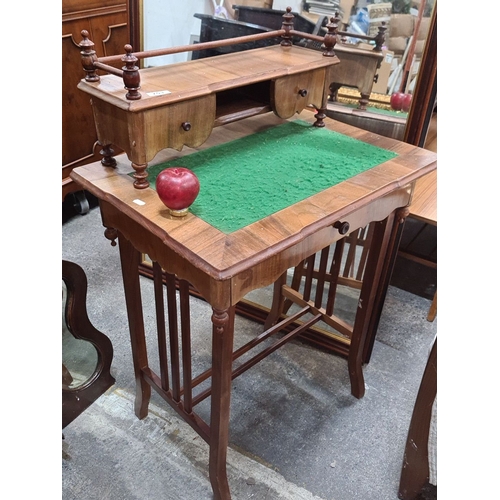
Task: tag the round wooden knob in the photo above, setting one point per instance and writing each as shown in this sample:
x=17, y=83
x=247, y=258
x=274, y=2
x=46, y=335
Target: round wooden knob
x=186, y=126
x=303, y=92
x=343, y=227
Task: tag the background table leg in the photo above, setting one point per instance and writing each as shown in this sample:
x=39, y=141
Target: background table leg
x=367, y=302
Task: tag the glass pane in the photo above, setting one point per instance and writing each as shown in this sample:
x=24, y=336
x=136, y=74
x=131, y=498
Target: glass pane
x=79, y=357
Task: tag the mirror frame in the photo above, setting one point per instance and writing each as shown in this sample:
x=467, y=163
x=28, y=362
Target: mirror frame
x=78, y=399
x=424, y=95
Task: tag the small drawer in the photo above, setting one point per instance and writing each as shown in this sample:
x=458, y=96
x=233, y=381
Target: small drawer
x=186, y=123
x=291, y=94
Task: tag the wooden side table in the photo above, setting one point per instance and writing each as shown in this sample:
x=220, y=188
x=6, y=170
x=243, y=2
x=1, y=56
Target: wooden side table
x=225, y=267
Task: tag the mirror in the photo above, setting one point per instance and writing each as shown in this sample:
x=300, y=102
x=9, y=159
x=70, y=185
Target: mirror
x=86, y=352
x=407, y=63
x=408, y=25
x=79, y=357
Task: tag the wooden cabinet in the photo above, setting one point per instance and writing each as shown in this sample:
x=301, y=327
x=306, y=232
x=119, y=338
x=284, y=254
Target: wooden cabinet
x=107, y=22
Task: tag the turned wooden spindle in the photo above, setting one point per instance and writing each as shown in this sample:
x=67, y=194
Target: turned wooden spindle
x=380, y=37
x=131, y=76
x=140, y=176
x=330, y=38
x=107, y=153
x=111, y=234
x=287, y=25
x=320, y=116
x=88, y=57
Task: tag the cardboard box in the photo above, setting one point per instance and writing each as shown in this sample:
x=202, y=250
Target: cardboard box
x=380, y=87
x=264, y=4
x=401, y=25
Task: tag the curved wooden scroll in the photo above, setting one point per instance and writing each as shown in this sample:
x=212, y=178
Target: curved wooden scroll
x=76, y=400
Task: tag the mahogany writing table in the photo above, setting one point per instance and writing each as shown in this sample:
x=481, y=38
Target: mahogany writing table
x=225, y=267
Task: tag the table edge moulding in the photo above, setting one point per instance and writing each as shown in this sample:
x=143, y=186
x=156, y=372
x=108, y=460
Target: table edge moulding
x=223, y=267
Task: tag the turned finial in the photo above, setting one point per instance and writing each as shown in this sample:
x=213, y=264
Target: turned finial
x=88, y=57
x=380, y=37
x=338, y=20
x=287, y=25
x=330, y=38
x=131, y=76
x=111, y=234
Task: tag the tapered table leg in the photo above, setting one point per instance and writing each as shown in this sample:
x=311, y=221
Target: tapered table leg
x=222, y=349
x=367, y=301
x=389, y=262
x=130, y=259
x=277, y=307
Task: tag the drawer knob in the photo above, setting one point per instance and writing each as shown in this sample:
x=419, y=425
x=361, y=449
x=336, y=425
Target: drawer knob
x=303, y=92
x=343, y=227
x=186, y=126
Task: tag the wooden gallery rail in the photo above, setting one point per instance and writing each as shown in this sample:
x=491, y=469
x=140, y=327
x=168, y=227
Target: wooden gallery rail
x=106, y=109
x=131, y=72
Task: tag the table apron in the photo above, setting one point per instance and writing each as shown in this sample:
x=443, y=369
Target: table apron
x=257, y=272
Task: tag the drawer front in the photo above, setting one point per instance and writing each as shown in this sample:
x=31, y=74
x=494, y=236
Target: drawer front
x=291, y=94
x=143, y=134
x=186, y=123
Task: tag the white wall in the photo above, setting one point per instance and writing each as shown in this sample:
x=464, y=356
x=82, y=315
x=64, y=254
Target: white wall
x=168, y=23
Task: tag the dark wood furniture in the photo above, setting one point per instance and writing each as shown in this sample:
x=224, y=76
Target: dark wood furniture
x=108, y=22
x=97, y=379
x=415, y=469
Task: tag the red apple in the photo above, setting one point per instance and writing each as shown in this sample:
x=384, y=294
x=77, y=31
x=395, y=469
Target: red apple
x=397, y=101
x=405, y=105
x=177, y=188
